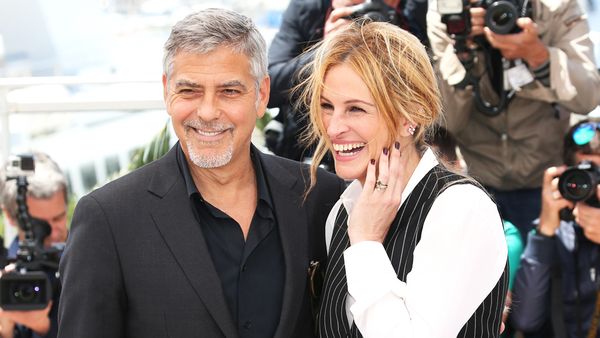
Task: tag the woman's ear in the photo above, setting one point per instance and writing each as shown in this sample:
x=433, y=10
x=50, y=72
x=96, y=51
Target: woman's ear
x=408, y=128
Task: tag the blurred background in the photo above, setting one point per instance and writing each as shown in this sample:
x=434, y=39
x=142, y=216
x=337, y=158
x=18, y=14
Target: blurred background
x=80, y=80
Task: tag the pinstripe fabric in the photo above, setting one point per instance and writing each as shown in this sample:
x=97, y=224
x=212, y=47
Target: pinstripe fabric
x=400, y=243
x=332, y=319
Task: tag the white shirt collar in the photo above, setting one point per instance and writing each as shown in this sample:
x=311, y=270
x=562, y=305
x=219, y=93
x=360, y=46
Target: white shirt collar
x=428, y=161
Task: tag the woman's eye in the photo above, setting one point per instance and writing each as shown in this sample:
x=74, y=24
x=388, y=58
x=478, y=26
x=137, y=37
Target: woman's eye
x=355, y=109
x=326, y=106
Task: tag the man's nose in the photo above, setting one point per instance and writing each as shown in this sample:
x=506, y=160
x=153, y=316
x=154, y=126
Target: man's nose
x=208, y=108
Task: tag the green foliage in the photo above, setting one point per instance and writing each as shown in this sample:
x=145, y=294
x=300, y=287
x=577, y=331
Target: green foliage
x=70, y=209
x=262, y=122
x=153, y=151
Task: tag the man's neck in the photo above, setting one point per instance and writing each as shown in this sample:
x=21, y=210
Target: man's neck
x=232, y=189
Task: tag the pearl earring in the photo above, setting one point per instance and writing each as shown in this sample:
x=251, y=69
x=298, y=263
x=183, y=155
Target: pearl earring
x=411, y=129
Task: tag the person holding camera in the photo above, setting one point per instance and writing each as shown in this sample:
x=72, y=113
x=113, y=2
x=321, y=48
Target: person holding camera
x=511, y=72
x=557, y=287
x=215, y=238
x=304, y=23
x=46, y=201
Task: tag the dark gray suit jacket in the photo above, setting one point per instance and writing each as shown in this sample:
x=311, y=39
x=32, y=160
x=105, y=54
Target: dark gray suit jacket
x=136, y=262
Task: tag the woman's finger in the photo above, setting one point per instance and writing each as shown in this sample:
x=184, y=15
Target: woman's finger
x=396, y=170
x=370, y=179
x=384, y=167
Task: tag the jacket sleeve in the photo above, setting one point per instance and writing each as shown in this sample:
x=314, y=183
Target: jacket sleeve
x=92, y=299
x=285, y=52
x=458, y=103
x=531, y=294
x=572, y=68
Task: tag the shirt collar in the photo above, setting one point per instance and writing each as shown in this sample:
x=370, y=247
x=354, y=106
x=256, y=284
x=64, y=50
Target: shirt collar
x=261, y=183
x=427, y=162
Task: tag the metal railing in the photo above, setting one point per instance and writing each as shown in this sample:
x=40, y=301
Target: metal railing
x=31, y=105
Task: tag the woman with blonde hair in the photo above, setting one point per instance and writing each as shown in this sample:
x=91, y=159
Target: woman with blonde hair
x=415, y=250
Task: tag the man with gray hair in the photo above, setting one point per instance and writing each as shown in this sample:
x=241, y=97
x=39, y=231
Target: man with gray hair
x=46, y=201
x=215, y=238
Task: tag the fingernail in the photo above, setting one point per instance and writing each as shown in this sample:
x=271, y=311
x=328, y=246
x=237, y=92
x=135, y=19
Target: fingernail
x=373, y=161
x=385, y=151
x=397, y=145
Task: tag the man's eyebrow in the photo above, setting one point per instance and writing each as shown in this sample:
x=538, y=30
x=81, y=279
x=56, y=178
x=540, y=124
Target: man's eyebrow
x=186, y=83
x=233, y=83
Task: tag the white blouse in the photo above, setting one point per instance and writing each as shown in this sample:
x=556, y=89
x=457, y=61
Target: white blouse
x=457, y=262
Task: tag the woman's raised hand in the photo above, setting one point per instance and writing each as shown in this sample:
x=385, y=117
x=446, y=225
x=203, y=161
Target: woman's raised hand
x=381, y=195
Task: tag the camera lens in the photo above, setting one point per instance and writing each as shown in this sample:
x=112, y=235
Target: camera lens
x=25, y=292
x=576, y=185
x=501, y=17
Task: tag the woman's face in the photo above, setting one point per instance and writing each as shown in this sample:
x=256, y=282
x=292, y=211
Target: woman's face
x=352, y=121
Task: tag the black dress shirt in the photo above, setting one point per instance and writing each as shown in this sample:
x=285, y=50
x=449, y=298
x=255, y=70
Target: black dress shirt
x=252, y=271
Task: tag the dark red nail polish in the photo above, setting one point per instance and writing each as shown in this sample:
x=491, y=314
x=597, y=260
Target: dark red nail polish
x=373, y=161
x=397, y=145
x=385, y=151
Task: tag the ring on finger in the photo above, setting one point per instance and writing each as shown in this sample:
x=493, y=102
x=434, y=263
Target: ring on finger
x=380, y=185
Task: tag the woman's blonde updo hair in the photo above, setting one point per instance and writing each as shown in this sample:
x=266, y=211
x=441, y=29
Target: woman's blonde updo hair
x=395, y=67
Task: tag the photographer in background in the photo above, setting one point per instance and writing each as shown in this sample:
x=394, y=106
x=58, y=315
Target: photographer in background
x=509, y=96
x=558, y=281
x=304, y=23
x=46, y=201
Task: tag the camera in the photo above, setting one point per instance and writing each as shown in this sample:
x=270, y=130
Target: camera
x=500, y=16
x=28, y=287
x=375, y=10
x=578, y=183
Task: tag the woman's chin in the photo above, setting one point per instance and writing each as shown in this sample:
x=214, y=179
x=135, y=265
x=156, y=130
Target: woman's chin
x=349, y=171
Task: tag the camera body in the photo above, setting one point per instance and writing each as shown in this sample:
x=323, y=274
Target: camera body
x=578, y=183
x=501, y=15
x=28, y=287
x=375, y=10
x=24, y=290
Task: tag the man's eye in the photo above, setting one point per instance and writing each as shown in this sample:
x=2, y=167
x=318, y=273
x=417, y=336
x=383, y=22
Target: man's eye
x=185, y=91
x=231, y=92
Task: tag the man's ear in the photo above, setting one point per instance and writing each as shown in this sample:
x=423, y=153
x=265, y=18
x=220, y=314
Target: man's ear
x=263, y=96
x=165, y=83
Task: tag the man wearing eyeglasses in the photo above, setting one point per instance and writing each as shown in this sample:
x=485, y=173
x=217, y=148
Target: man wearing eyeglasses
x=556, y=288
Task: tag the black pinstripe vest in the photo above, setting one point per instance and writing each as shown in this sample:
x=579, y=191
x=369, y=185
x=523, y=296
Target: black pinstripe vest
x=400, y=243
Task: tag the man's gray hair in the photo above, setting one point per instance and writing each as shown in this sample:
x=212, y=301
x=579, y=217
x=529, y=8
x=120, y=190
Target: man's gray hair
x=47, y=180
x=206, y=30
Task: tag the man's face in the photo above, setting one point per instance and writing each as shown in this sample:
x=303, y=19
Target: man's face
x=52, y=210
x=214, y=102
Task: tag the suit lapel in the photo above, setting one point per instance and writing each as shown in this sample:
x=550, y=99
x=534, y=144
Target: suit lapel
x=175, y=221
x=286, y=193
